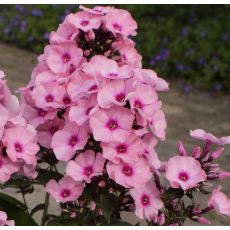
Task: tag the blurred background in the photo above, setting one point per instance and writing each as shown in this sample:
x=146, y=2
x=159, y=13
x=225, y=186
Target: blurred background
x=188, y=45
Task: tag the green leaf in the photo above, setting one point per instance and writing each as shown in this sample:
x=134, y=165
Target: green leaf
x=108, y=205
x=37, y=208
x=15, y=211
x=61, y=221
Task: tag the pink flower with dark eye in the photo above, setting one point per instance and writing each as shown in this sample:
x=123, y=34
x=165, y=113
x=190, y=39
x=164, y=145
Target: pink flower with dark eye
x=149, y=152
x=184, y=172
x=120, y=21
x=81, y=113
x=21, y=143
x=114, y=93
x=129, y=54
x=158, y=124
x=111, y=125
x=36, y=116
x=3, y=119
x=129, y=174
x=4, y=221
x=65, y=190
x=144, y=100
x=220, y=202
x=149, y=77
x=65, y=32
x=80, y=85
x=200, y=134
x=85, y=166
x=48, y=96
x=66, y=141
x=85, y=21
x=61, y=57
x=46, y=131
x=127, y=150
x=147, y=201
x=107, y=68
x=7, y=167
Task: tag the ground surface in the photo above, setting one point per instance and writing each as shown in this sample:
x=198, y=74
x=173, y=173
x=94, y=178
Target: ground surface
x=184, y=112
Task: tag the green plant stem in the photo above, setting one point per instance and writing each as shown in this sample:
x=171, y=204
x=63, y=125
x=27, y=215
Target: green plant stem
x=45, y=211
x=24, y=200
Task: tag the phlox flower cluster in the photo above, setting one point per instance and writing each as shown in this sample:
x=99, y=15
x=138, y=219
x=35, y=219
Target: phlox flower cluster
x=91, y=106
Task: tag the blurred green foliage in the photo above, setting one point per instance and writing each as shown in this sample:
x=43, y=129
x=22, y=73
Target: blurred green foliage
x=189, y=42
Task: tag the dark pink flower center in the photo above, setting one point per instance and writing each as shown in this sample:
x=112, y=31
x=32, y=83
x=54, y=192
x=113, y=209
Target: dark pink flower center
x=92, y=88
x=88, y=110
x=121, y=148
x=145, y=200
x=53, y=129
x=183, y=176
x=117, y=27
x=49, y=98
x=41, y=113
x=112, y=75
x=66, y=58
x=85, y=23
x=127, y=170
x=65, y=193
x=88, y=170
x=1, y=163
x=112, y=124
x=18, y=147
x=66, y=100
x=73, y=141
x=138, y=104
x=120, y=97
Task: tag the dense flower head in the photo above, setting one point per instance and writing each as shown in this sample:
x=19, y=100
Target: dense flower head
x=91, y=107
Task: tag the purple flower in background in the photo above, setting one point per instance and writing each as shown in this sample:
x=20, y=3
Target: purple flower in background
x=218, y=87
x=224, y=36
x=203, y=33
x=180, y=67
x=7, y=31
x=152, y=61
x=37, y=12
x=192, y=18
x=23, y=25
x=184, y=32
x=187, y=88
x=201, y=61
x=1, y=18
x=20, y=8
x=46, y=36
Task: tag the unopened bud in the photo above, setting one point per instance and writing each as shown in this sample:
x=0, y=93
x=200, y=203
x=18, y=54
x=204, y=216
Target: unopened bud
x=196, y=153
x=203, y=220
x=101, y=184
x=181, y=148
x=223, y=175
x=161, y=219
x=217, y=153
x=86, y=53
x=110, y=190
x=73, y=214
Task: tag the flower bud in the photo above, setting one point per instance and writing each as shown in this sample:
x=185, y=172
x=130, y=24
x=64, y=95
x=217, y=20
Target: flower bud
x=223, y=175
x=217, y=153
x=203, y=220
x=196, y=153
x=181, y=148
x=101, y=184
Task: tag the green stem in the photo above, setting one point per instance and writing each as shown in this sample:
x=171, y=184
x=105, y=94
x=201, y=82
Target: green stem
x=24, y=200
x=45, y=211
